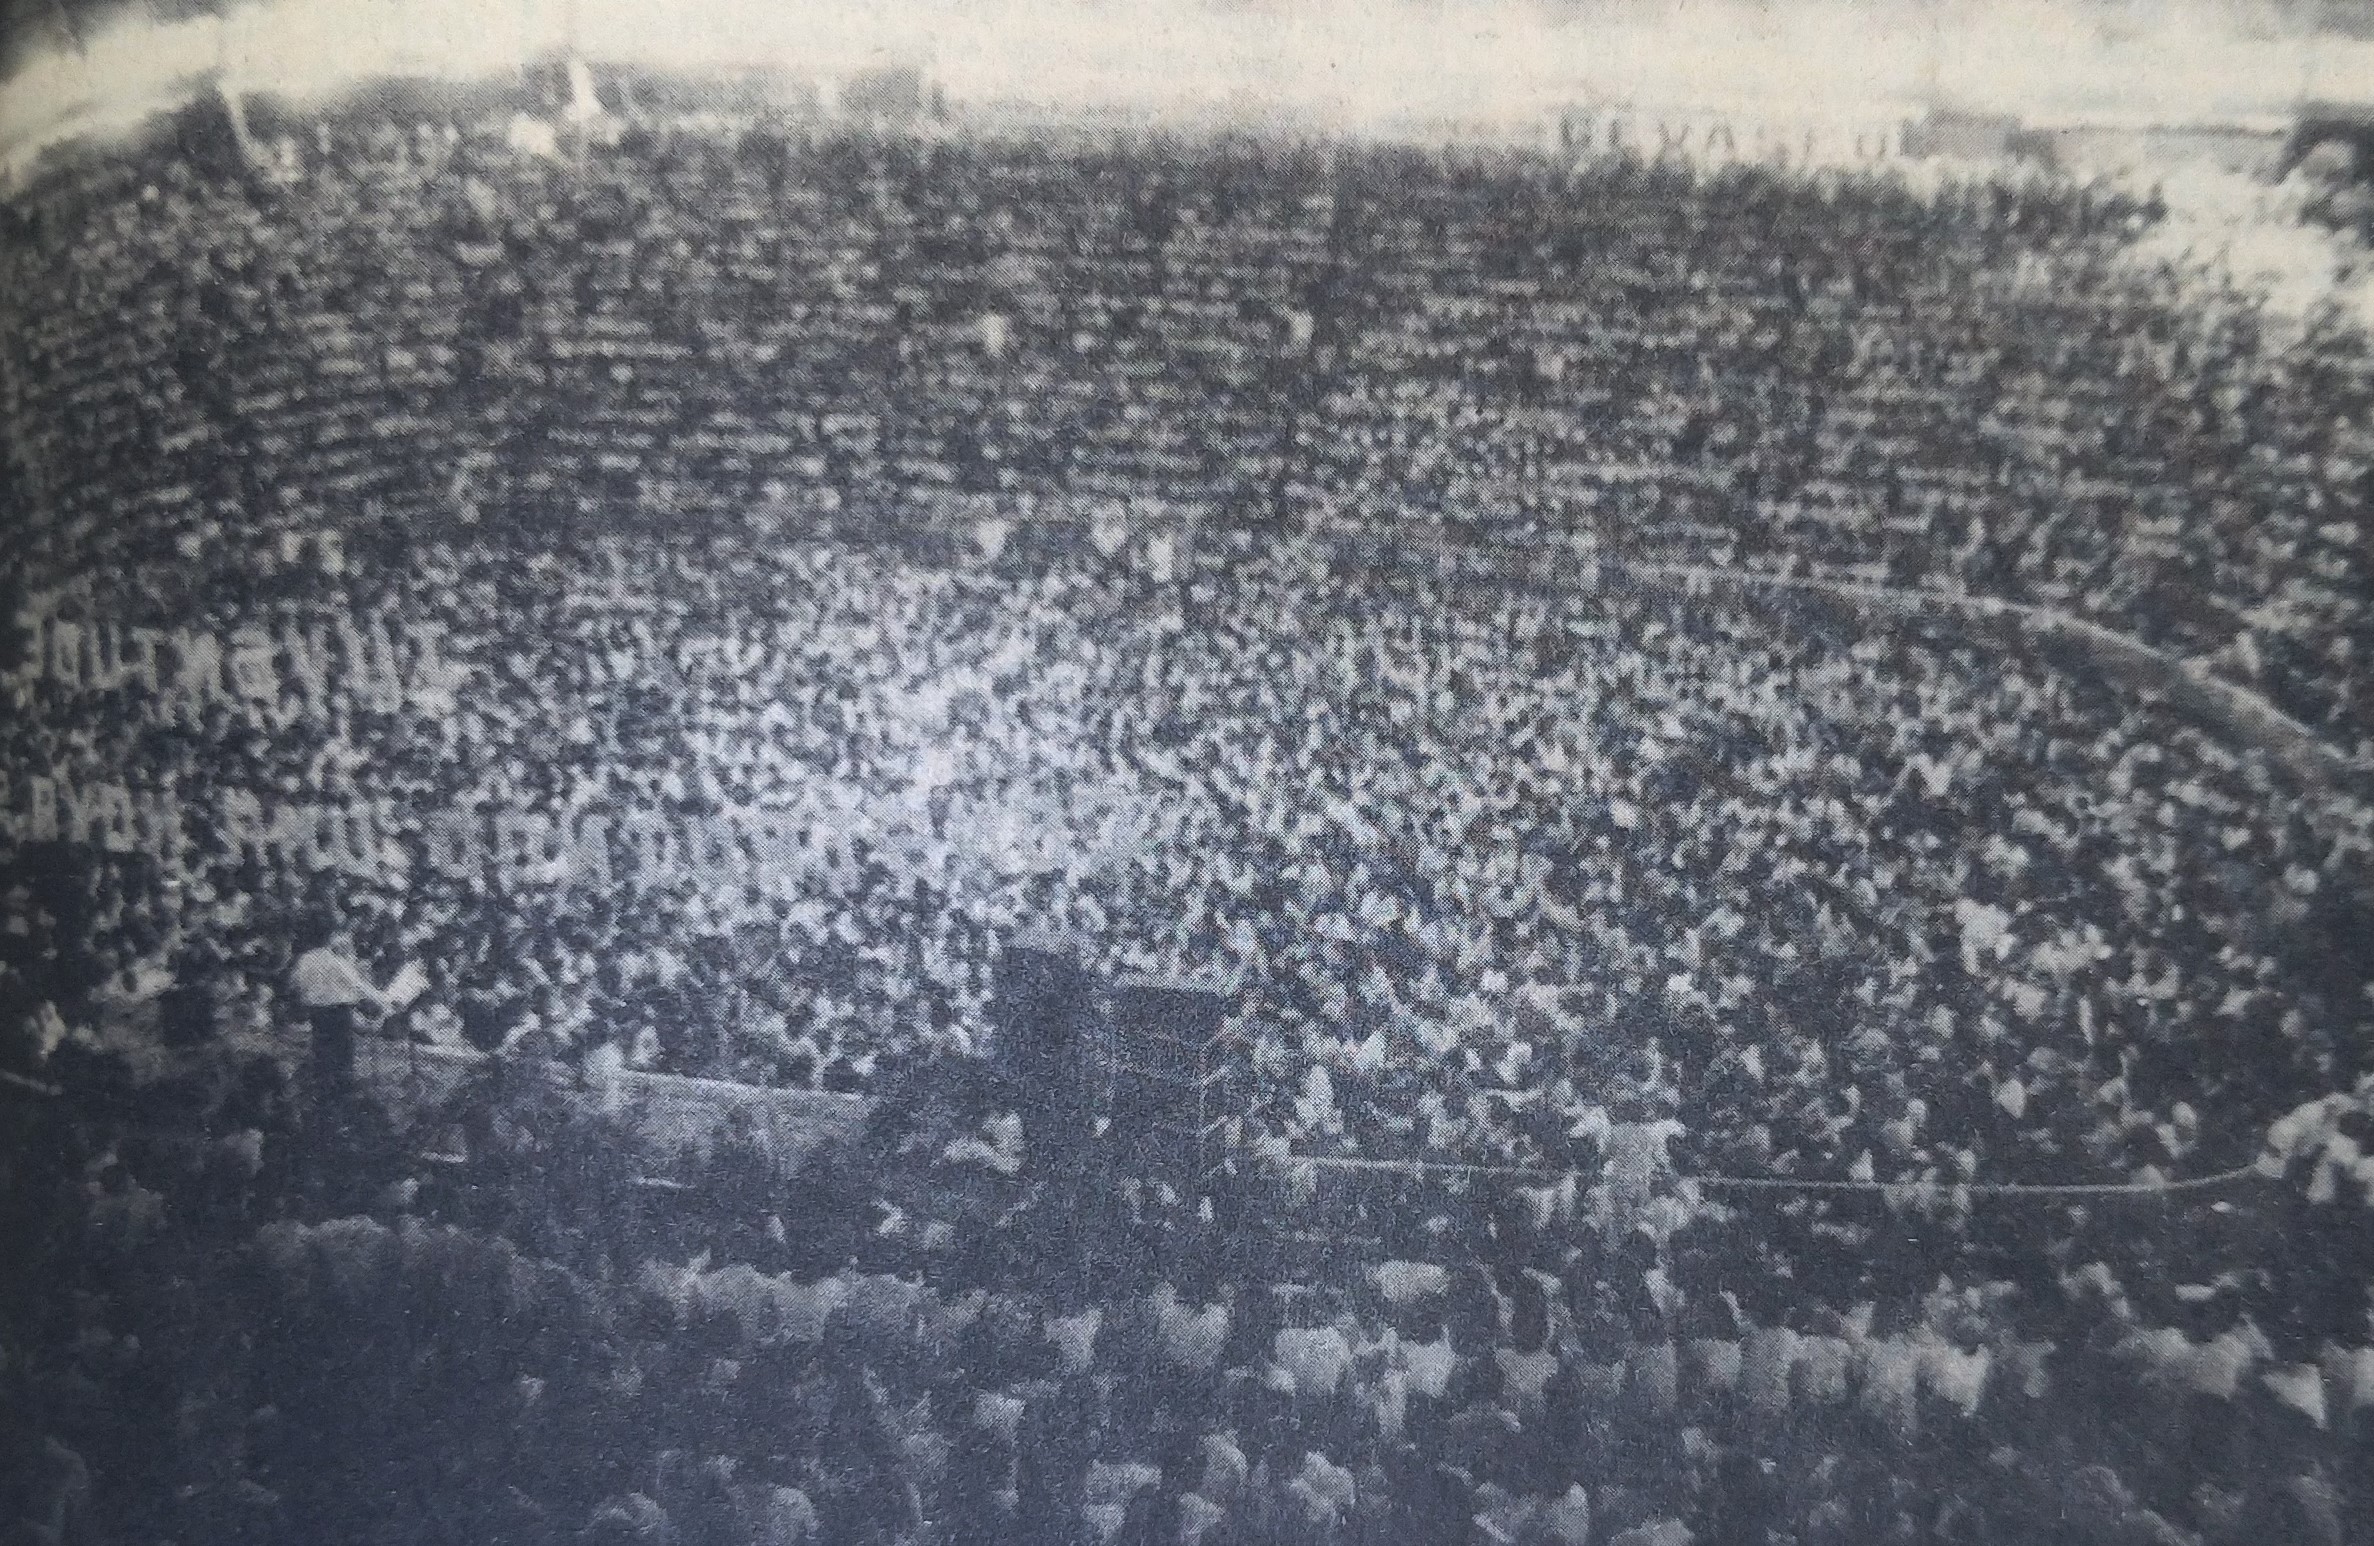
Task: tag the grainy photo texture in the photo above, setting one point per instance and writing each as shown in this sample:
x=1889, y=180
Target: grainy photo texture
x=1029, y=774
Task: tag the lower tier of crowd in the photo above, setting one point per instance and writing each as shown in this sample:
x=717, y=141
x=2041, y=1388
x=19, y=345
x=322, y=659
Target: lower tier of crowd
x=1484, y=865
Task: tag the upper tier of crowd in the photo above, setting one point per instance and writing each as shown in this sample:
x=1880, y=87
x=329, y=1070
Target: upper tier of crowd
x=1977, y=387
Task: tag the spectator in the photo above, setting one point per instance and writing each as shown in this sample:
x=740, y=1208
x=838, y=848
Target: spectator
x=329, y=988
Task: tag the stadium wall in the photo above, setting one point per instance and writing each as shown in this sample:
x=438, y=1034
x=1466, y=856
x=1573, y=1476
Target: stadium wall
x=675, y=1121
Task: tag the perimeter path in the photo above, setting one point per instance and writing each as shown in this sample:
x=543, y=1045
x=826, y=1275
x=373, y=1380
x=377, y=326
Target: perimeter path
x=2318, y=764
x=2314, y=760
x=2067, y=1191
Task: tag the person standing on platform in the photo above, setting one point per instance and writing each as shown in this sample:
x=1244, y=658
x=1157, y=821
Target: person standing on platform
x=329, y=986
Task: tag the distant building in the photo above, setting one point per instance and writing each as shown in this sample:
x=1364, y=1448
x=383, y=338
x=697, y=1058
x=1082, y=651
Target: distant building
x=1957, y=134
x=890, y=96
x=888, y=93
x=2147, y=147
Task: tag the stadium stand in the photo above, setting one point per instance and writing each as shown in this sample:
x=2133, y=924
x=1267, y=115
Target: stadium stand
x=698, y=598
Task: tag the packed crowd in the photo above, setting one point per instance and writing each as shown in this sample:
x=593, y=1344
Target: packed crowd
x=1492, y=862
x=722, y=587
x=213, y=1335
x=1971, y=387
x=694, y=600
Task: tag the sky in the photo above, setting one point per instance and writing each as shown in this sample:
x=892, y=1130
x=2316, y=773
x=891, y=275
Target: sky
x=1331, y=60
